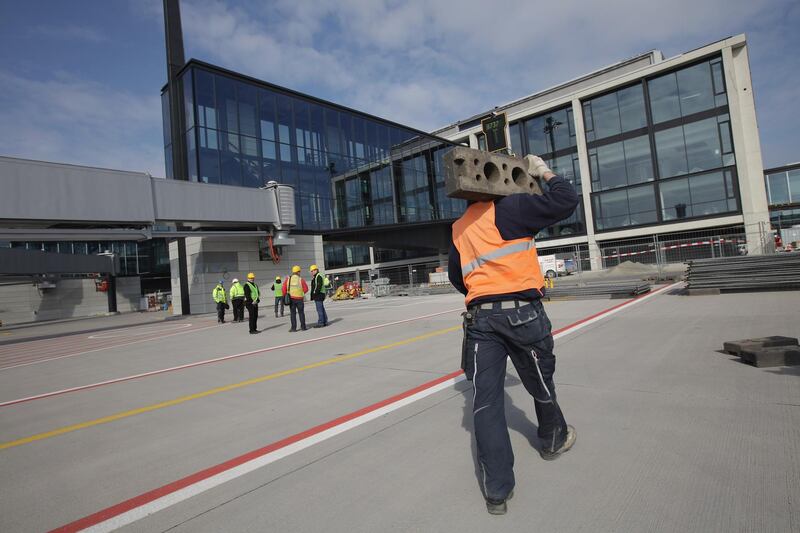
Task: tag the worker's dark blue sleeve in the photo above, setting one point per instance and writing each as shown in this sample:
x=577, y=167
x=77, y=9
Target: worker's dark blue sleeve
x=524, y=215
x=454, y=270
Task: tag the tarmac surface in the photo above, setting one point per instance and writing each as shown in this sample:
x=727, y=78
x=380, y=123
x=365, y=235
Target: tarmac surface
x=366, y=426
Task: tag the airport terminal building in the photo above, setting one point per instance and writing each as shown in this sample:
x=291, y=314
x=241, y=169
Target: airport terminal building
x=664, y=153
x=657, y=148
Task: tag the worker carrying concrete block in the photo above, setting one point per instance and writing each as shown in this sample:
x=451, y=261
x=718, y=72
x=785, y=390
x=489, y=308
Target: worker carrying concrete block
x=493, y=262
x=477, y=175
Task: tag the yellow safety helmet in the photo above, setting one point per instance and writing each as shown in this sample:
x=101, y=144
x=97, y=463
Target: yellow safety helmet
x=312, y=268
x=251, y=276
x=296, y=269
x=277, y=278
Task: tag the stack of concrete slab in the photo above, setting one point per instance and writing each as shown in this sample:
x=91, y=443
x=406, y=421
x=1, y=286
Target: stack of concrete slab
x=477, y=175
x=766, y=351
x=609, y=289
x=779, y=271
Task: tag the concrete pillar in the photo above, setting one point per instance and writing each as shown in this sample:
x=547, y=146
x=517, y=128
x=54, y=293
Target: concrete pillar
x=586, y=185
x=210, y=259
x=747, y=146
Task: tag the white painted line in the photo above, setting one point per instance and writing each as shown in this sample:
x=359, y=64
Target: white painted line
x=614, y=310
x=134, y=332
x=143, y=505
x=137, y=513
x=210, y=361
x=101, y=348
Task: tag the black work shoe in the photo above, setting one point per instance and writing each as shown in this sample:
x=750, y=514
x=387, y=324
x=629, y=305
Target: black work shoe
x=568, y=442
x=304, y=329
x=292, y=330
x=499, y=506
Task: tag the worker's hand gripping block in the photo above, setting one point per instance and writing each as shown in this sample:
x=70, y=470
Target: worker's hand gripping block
x=477, y=175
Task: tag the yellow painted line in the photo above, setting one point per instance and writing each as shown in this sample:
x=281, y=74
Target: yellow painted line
x=217, y=390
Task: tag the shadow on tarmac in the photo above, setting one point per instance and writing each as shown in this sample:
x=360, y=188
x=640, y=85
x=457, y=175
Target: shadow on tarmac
x=516, y=419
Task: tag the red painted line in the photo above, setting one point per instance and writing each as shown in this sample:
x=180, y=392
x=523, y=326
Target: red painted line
x=150, y=496
x=603, y=312
x=147, y=497
x=211, y=361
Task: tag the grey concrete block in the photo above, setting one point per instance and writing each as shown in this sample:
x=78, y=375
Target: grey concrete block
x=775, y=356
x=477, y=175
x=736, y=347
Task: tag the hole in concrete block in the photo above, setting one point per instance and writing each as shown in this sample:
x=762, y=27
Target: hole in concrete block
x=518, y=175
x=506, y=181
x=458, y=161
x=477, y=177
x=491, y=172
x=475, y=161
x=505, y=167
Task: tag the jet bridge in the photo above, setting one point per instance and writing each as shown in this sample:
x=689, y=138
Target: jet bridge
x=45, y=201
x=38, y=199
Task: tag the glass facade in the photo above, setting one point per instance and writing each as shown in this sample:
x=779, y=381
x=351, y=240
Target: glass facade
x=661, y=150
x=244, y=133
x=136, y=258
x=783, y=196
x=783, y=187
x=551, y=135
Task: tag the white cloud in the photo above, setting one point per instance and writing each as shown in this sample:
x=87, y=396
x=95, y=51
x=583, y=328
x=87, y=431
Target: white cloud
x=428, y=63
x=69, y=120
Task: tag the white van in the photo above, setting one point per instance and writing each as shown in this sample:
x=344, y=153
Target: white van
x=552, y=267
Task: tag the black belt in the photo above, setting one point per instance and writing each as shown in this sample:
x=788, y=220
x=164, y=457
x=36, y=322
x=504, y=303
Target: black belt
x=497, y=306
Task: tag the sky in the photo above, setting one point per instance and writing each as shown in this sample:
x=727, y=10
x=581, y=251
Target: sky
x=80, y=80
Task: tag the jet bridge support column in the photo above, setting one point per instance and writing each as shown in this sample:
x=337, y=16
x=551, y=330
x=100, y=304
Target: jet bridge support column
x=183, y=276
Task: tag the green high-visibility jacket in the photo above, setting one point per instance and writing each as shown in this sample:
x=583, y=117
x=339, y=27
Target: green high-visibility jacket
x=254, y=295
x=277, y=289
x=219, y=295
x=237, y=291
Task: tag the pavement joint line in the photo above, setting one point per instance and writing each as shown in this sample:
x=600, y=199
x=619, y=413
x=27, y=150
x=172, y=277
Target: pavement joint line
x=324, y=457
x=217, y=390
x=215, y=360
x=148, y=503
x=159, y=337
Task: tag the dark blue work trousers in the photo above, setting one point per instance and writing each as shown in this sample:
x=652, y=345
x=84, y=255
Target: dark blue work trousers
x=297, y=307
x=524, y=334
x=322, y=316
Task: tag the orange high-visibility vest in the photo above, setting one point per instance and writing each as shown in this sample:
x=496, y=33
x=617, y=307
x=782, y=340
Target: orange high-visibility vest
x=490, y=264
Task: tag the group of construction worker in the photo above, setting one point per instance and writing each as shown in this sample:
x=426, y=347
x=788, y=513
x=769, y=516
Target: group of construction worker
x=289, y=291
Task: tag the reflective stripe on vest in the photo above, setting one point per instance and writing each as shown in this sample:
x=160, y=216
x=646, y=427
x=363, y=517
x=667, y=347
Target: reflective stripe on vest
x=237, y=291
x=295, y=287
x=497, y=254
x=491, y=265
x=254, y=293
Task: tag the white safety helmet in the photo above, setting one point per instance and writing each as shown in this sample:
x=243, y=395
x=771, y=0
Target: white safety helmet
x=235, y=280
